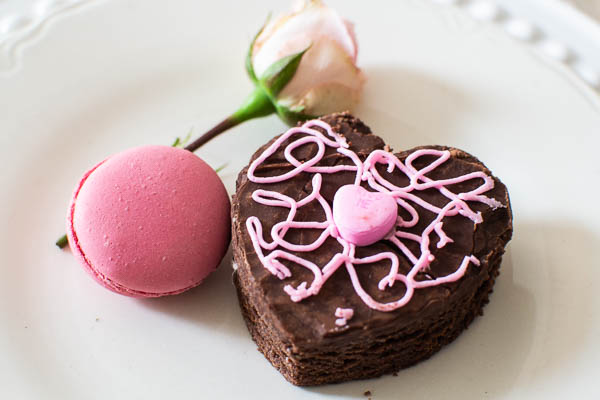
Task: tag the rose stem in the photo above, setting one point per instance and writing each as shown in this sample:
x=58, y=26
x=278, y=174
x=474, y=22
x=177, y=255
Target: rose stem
x=256, y=105
x=222, y=126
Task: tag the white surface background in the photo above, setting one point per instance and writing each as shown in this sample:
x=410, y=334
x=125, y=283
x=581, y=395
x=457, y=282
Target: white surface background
x=573, y=23
x=122, y=73
x=589, y=7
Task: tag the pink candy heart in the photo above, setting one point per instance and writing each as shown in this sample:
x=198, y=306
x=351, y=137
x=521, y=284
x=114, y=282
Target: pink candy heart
x=363, y=217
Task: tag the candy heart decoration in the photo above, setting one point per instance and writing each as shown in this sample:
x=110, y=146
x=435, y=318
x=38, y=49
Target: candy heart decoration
x=363, y=217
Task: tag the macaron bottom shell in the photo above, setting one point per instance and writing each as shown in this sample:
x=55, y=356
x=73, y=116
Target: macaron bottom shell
x=150, y=221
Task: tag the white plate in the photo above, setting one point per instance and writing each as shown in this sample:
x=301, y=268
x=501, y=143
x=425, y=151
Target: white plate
x=117, y=74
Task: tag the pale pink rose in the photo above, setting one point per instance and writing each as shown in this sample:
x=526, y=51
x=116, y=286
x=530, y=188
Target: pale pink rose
x=327, y=79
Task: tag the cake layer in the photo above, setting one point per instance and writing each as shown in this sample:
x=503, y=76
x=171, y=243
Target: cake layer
x=367, y=358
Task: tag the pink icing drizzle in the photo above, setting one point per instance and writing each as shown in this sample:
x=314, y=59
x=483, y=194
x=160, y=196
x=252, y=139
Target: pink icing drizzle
x=343, y=315
x=365, y=172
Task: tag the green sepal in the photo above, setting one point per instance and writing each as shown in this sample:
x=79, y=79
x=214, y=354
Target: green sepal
x=292, y=115
x=249, y=66
x=280, y=73
x=263, y=100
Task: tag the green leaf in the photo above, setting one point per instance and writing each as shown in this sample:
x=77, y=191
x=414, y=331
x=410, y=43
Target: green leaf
x=249, y=66
x=62, y=242
x=221, y=168
x=280, y=73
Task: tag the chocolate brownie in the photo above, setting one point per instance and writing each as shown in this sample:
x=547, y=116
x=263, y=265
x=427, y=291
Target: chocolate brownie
x=323, y=309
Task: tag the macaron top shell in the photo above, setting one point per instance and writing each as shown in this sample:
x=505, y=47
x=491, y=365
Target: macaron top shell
x=150, y=221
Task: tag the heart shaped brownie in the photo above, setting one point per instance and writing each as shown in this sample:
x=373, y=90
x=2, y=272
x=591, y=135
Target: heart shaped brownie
x=352, y=262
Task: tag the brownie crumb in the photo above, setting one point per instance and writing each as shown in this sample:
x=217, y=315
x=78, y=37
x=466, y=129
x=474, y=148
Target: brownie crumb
x=367, y=393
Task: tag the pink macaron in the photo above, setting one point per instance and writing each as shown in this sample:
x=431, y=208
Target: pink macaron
x=150, y=221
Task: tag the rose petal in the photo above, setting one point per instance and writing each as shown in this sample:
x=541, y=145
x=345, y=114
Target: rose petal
x=326, y=81
x=290, y=34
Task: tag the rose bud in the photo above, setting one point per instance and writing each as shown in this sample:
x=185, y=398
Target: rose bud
x=327, y=79
x=303, y=65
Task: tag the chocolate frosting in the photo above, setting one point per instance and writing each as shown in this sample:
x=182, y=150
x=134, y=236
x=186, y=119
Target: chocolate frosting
x=309, y=325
